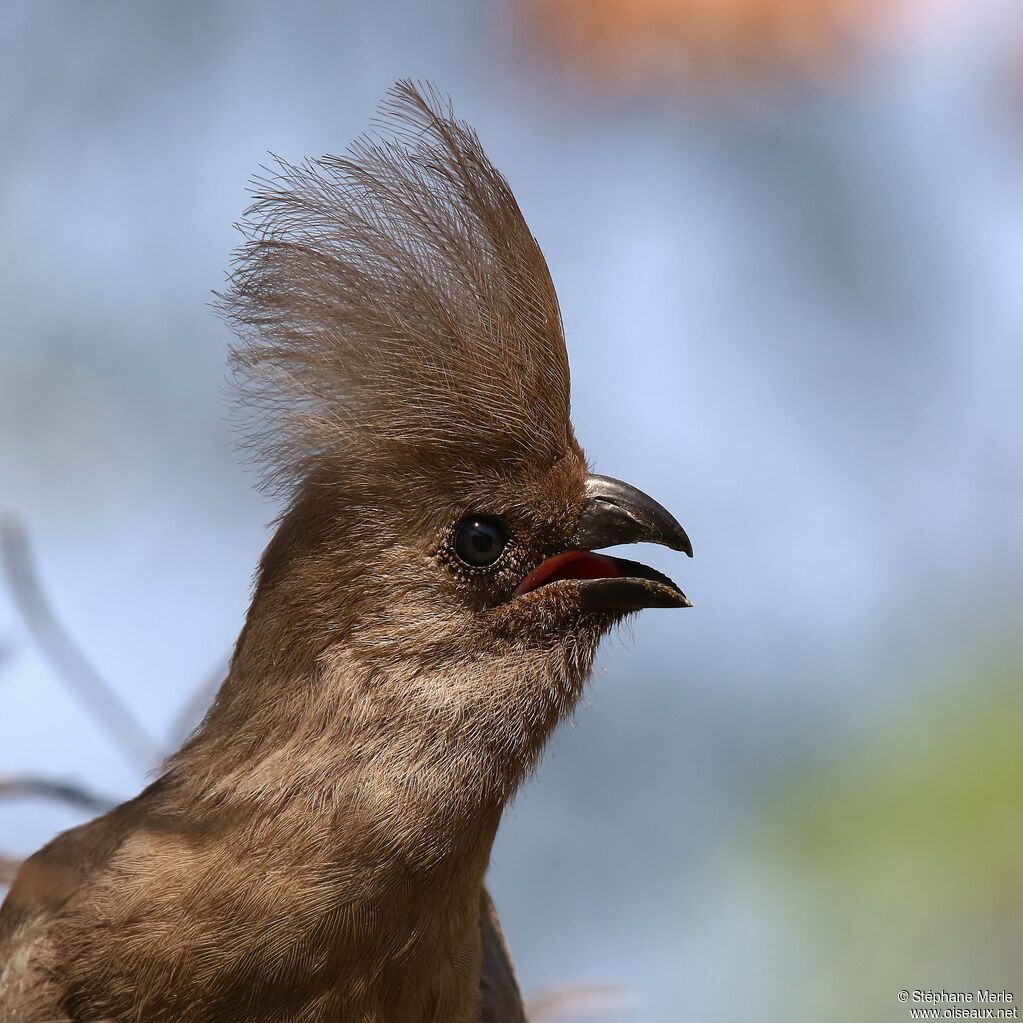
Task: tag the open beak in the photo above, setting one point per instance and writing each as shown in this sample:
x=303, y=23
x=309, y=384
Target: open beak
x=615, y=513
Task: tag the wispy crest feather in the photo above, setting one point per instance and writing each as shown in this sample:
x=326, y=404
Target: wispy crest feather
x=392, y=307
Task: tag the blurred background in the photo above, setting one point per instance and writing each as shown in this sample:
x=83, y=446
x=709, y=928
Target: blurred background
x=788, y=241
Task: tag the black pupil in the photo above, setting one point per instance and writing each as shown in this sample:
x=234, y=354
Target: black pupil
x=480, y=541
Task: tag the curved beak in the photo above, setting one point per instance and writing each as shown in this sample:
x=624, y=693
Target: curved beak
x=615, y=513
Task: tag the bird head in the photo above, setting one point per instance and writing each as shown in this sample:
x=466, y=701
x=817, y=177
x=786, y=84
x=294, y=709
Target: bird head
x=401, y=338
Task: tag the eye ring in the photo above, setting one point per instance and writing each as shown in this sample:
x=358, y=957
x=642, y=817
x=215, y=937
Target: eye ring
x=479, y=540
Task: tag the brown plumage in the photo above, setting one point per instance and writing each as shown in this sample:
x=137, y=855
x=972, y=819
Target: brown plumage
x=426, y=613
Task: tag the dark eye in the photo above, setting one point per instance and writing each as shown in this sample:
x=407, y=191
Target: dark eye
x=480, y=540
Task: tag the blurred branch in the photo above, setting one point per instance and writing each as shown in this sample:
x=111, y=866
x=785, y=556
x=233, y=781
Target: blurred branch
x=8, y=868
x=195, y=706
x=64, y=655
x=578, y=1002
x=6, y=651
x=31, y=787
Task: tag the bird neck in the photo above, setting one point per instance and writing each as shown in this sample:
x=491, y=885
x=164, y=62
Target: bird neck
x=374, y=786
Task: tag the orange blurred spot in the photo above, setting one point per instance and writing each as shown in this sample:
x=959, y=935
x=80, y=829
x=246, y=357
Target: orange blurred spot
x=653, y=39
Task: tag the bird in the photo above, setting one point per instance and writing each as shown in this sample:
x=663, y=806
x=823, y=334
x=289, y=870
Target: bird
x=426, y=612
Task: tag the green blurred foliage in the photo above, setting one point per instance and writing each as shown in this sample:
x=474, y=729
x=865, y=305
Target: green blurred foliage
x=904, y=869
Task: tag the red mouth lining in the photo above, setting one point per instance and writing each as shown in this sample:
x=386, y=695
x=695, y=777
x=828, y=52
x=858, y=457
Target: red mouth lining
x=569, y=565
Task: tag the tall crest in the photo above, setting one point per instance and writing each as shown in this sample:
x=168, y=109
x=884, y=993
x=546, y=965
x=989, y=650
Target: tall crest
x=394, y=311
